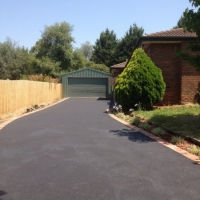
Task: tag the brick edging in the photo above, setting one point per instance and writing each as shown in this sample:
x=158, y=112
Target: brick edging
x=184, y=153
x=189, y=139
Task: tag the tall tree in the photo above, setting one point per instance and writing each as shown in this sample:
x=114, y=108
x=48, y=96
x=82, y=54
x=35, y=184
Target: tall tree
x=56, y=44
x=14, y=60
x=78, y=59
x=127, y=44
x=104, y=48
x=191, y=23
x=87, y=49
x=46, y=66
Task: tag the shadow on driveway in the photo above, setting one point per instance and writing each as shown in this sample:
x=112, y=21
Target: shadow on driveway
x=2, y=193
x=110, y=103
x=134, y=136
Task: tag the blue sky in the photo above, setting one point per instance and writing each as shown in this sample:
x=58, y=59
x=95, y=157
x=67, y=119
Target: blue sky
x=24, y=20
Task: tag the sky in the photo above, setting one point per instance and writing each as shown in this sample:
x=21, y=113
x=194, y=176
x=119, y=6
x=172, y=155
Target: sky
x=23, y=20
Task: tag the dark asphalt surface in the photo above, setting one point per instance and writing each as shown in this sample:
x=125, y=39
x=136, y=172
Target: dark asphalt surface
x=75, y=151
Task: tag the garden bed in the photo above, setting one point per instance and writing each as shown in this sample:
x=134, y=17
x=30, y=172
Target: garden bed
x=182, y=122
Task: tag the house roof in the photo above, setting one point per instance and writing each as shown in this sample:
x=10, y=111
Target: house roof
x=178, y=32
x=173, y=35
x=119, y=65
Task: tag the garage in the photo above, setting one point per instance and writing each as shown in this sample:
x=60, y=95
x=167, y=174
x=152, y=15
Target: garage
x=87, y=83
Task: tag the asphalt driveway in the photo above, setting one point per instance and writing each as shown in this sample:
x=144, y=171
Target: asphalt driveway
x=75, y=151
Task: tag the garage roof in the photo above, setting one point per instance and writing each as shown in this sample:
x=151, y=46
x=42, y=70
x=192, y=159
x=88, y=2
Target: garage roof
x=87, y=72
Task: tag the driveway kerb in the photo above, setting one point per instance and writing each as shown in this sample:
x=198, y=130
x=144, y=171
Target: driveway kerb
x=185, y=153
x=29, y=113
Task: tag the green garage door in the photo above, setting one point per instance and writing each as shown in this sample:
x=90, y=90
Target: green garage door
x=87, y=87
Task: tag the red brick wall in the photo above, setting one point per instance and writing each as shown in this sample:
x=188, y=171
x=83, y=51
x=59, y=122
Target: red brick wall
x=115, y=73
x=190, y=82
x=164, y=57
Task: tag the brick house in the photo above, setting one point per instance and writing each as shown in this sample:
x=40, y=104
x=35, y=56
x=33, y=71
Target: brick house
x=182, y=80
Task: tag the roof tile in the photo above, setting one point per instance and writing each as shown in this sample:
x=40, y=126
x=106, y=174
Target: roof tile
x=119, y=65
x=178, y=32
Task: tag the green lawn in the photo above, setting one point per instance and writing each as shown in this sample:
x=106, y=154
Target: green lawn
x=183, y=119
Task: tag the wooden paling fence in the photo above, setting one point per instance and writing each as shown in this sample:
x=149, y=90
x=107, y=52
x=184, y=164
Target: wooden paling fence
x=19, y=94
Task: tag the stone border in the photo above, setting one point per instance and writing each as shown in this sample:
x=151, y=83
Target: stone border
x=29, y=113
x=185, y=153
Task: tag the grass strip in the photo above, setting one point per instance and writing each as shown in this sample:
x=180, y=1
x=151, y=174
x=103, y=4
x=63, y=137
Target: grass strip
x=182, y=119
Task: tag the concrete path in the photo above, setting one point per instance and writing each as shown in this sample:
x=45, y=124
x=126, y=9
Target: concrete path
x=75, y=151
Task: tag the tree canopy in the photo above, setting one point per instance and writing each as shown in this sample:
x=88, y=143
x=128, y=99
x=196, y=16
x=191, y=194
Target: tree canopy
x=109, y=50
x=54, y=54
x=191, y=18
x=87, y=49
x=14, y=60
x=104, y=48
x=56, y=44
x=127, y=44
x=191, y=23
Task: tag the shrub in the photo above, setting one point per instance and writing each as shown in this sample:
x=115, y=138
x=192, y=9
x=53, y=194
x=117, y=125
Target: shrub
x=145, y=126
x=194, y=150
x=40, y=77
x=120, y=115
x=127, y=118
x=158, y=131
x=141, y=83
x=134, y=121
x=176, y=140
x=116, y=109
